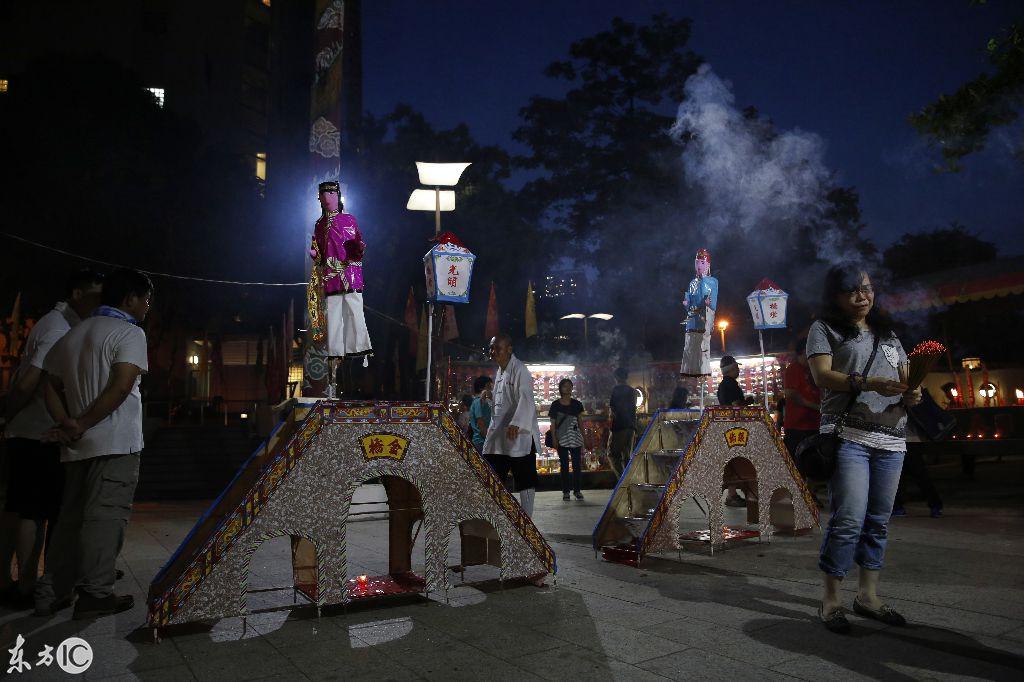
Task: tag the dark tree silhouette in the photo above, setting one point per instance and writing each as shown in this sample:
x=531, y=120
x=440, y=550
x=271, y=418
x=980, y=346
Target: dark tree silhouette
x=920, y=253
x=961, y=123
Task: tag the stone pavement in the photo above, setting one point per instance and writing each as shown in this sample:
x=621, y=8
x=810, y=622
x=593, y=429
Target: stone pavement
x=746, y=613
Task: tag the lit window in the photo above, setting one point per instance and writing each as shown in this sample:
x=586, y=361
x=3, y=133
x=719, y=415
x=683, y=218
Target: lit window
x=261, y=166
x=158, y=95
x=3, y=85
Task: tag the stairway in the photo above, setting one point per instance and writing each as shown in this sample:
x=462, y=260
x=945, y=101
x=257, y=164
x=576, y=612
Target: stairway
x=191, y=462
x=642, y=485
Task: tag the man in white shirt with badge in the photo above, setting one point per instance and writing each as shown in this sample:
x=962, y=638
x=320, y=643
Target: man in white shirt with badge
x=93, y=394
x=513, y=437
x=36, y=481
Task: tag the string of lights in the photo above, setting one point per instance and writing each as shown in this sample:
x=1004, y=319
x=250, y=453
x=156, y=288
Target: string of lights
x=207, y=280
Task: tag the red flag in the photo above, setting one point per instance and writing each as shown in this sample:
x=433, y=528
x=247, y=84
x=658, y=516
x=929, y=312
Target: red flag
x=412, y=322
x=491, y=328
x=451, y=327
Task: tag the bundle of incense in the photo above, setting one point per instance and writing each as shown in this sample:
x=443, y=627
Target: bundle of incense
x=922, y=360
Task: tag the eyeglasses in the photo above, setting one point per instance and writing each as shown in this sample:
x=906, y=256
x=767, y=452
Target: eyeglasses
x=867, y=290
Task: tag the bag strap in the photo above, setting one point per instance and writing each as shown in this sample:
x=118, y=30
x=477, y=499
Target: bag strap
x=853, y=394
x=560, y=417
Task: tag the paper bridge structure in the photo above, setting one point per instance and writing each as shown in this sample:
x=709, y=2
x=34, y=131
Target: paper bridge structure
x=300, y=484
x=687, y=454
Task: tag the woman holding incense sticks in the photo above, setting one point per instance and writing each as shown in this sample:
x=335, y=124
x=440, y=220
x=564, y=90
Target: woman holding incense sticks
x=861, y=368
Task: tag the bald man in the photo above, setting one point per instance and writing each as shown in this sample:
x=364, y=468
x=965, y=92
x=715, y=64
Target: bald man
x=513, y=437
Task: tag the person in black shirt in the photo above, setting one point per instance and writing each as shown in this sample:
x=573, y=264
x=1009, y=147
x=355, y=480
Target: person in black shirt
x=623, y=404
x=567, y=436
x=680, y=398
x=729, y=391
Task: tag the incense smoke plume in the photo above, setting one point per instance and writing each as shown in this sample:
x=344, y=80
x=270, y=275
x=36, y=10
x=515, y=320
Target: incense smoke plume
x=761, y=184
x=756, y=196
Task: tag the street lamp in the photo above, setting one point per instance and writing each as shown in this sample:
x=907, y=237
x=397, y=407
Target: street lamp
x=722, y=326
x=581, y=316
x=439, y=175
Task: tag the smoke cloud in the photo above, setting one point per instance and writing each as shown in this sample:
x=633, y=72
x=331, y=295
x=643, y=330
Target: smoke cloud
x=750, y=179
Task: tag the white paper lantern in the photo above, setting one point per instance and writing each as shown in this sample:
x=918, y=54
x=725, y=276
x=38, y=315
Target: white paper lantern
x=768, y=305
x=448, y=268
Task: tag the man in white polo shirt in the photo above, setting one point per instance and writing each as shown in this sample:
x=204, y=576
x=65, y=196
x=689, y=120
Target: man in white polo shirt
x=93, y=395
x=36, y=481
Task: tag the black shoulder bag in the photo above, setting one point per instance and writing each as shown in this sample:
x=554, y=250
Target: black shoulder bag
x=816, y=455
x=549, y=440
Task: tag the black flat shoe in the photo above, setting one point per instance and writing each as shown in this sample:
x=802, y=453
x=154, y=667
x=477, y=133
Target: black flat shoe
x=886, y=614
x=835, y=622
x=88, y=606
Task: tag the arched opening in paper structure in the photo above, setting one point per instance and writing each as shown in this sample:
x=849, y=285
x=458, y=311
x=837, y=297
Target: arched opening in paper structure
x=385, y=539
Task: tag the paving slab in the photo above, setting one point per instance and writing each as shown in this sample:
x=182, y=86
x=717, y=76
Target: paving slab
x=748, y=612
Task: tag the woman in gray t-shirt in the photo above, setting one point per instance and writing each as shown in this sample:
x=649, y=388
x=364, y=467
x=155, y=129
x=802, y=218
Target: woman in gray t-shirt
x=873, y=437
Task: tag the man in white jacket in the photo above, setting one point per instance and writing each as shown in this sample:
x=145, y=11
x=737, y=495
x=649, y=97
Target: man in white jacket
x=513, y=437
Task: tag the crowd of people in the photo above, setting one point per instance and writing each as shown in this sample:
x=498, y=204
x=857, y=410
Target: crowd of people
x=73, y=433
x=848, y=379
x=73, y=436
x=508, y=402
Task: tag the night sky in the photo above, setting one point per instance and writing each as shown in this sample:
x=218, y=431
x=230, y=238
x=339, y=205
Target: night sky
x=851, y=73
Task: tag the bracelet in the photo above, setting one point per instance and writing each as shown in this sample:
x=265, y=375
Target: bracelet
x=857, y=381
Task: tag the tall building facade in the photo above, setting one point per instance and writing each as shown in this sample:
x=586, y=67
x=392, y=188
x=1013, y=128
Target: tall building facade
x=241, y=69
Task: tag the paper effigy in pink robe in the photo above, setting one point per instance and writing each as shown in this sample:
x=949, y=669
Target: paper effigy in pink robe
x=337, y=250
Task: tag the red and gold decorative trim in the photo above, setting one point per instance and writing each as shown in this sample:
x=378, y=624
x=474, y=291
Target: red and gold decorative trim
x=288, y=452
x=501, y=496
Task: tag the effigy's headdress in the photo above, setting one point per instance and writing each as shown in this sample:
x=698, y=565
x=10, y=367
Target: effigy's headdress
x=331, y=186
x=704, y=254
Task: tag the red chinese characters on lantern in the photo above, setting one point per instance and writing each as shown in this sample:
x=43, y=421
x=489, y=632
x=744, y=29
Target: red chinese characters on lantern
x=453, y=281
x=452, y=270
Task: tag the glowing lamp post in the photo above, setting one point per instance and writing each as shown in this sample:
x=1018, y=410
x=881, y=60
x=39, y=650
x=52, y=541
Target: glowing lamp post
x=722, y=326
x=581, y=316
x=438, y=175
x=768, y=309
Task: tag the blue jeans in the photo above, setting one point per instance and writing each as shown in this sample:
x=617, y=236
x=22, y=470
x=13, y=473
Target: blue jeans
x=862, y=491
x=563, y=459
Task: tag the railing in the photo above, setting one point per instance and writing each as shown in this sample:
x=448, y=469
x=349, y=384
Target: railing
x=202, y=412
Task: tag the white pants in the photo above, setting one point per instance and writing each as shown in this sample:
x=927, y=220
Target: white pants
x=697, y=350
x=346, y=326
